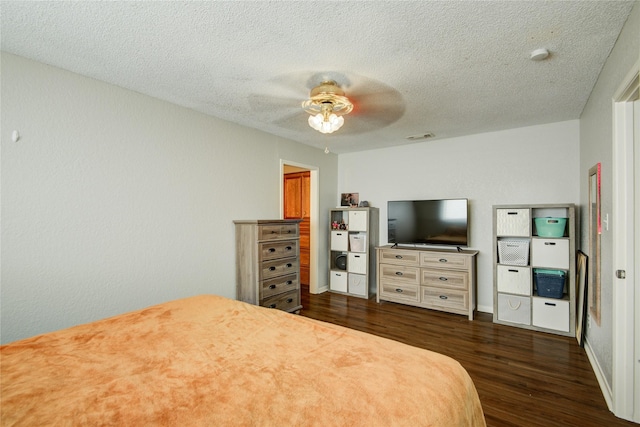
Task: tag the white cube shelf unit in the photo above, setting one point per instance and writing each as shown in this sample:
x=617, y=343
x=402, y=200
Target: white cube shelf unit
x=519, y=251
x=352, y=242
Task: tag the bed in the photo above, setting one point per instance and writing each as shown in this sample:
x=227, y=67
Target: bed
x=208, y=360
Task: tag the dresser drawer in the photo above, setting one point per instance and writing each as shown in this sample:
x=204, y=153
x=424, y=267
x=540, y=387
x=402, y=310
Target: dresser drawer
x=442, y=260
x=279, y=285
x=445, y=279
x=399, y=257
x=446, y=299
x=286, y=301
x=280, y=249
x=400, y=274
x=399, y=291
x=279, y=267
x=277, y=231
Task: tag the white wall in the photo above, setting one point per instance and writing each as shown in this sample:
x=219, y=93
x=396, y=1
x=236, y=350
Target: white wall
x=113, y=200
x=596, y=145
x=537, y=164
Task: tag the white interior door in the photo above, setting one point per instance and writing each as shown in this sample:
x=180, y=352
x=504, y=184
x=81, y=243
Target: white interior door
x=626, y=251
x=636, y=168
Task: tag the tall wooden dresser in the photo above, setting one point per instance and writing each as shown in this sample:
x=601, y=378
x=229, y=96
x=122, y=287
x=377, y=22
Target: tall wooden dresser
x=268, y=263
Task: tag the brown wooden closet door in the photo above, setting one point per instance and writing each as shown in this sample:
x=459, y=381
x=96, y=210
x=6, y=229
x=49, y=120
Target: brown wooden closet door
x=296, y=206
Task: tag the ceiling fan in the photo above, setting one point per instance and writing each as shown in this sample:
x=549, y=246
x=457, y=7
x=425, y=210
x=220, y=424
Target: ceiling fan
x=326, y=106
x=328, y=101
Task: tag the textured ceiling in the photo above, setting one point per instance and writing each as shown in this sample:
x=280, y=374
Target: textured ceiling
x=451, y=68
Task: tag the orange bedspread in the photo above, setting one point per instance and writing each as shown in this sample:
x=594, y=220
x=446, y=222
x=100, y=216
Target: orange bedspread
x=212, y=361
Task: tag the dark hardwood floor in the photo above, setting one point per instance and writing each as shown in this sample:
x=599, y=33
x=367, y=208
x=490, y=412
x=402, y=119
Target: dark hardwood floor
x=523, y=378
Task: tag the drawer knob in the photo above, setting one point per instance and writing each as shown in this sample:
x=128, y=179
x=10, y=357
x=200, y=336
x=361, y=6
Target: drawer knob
x=288, y=248
x=550, y=243
x=398, y=273
x=288, y=231
x=272, y=250
x=272, y=286
x=289, y=265
x=513, y=271
x=399, y=290
x=272, y=268
x=273, y=232
x=399, y=256
x=289, y=300
x=443, y=260
x=444, y=279
x=444, y=297
x=289, y=282
x=272, y=306
x=512, y=213
x=550, y=303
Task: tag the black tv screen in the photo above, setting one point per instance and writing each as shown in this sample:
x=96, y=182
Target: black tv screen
x=428, y=222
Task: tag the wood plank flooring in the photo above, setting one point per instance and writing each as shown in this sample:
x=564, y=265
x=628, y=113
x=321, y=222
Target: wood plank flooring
x=523, y=378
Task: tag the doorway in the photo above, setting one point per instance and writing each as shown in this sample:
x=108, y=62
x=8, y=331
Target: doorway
x=299, y=200
x=626, y=249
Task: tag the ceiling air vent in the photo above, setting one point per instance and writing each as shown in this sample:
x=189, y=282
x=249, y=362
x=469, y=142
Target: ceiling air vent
x=420, y=137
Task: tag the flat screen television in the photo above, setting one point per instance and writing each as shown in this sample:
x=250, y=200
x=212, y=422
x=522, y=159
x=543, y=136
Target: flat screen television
x=428, y=222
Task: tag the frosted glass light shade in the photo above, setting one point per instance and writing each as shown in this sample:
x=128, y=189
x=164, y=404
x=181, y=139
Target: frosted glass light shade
x=329, y=125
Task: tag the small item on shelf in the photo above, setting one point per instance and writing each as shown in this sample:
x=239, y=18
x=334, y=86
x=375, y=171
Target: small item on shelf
x=335, y=225
x=343, y=226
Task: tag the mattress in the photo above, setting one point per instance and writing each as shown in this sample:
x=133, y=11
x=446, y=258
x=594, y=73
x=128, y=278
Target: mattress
x=208, y=360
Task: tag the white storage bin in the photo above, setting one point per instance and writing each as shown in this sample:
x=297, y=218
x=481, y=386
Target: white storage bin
x=338, y=281
x=514, y=280
x=551, y=313
x=513, y=251
x=358, y=220
x=358, y=242
x=512, y=222
x=550, y=253
x=357, y=284
x=357, y=263
x=339, y=240
x=514, y=309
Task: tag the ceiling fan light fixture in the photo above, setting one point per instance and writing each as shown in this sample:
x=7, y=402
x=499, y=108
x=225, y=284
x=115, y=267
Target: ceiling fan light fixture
x=326, y=106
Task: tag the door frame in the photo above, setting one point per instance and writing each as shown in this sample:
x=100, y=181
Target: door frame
x=314, y=215
x=626, y=241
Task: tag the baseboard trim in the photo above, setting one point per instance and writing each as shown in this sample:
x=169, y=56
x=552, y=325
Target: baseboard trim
x=604, y=386
x=485, y=309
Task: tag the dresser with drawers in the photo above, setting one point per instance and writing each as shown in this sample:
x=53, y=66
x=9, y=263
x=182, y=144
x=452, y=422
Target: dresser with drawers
x=268, y=263
x=435, y=279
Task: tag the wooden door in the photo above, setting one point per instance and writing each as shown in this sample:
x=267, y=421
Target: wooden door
x=296, y=206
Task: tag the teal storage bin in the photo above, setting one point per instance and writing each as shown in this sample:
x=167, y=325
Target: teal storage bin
x=550, y=227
